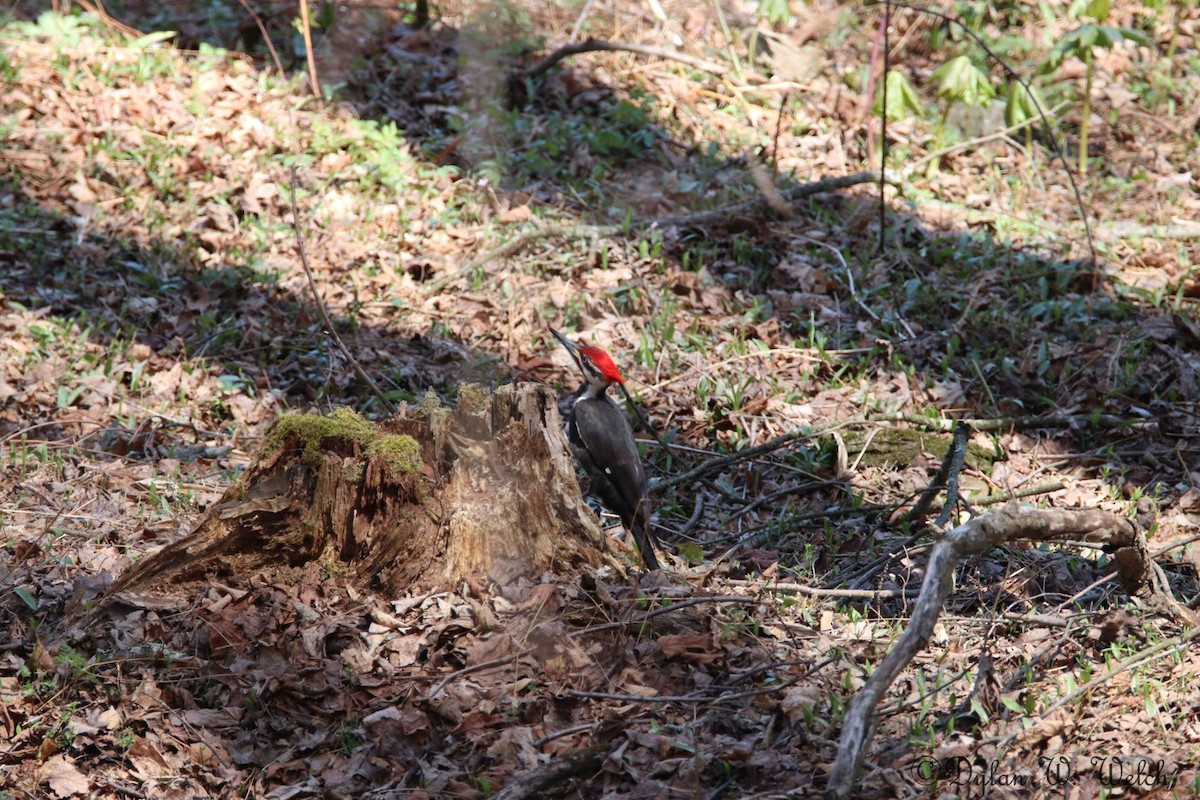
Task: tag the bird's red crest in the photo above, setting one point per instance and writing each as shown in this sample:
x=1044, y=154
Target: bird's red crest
x=603, y=362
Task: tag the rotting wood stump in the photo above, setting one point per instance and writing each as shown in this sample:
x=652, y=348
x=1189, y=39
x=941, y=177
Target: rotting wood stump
x=418, y=502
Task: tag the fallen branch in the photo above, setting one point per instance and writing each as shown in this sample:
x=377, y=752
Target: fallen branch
x=914, y=167
x=1126, y=229
x=758, y=206
x=816, y=591
x=717, y=463
x=1019, y=494
x=649, y=615
x=598, y=46
x=1020, y=423
x=946, y=478
x=980, y=534
x=1156, y=652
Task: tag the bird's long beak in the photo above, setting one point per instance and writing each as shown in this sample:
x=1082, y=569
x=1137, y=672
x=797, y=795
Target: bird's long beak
x=572, y=348
x=567, y=343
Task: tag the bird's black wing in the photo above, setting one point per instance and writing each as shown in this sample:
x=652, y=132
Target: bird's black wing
x=606, y=434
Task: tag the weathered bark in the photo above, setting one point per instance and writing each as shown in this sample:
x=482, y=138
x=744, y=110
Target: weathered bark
x=489, y=488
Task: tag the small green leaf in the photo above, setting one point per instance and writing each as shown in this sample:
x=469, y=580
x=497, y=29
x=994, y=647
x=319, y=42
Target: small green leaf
x=151, y=39
x=694, y=553
x=325, y=16
x=1019, y=105
x=26, y=598
x=776, y=12
x=67, y=396
x=1079, y=43
x=959, y=79
x=1098, y=9
x=902, y=97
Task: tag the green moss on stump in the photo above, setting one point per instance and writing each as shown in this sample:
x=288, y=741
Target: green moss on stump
x=401, y=453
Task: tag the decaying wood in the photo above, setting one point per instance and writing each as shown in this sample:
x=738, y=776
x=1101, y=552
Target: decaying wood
x=488, y=488
x=1137, y=571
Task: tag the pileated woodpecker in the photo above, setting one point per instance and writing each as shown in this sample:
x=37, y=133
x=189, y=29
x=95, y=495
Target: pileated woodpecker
x=603, y=443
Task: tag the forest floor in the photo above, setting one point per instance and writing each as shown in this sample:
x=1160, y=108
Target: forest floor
x=155, y=319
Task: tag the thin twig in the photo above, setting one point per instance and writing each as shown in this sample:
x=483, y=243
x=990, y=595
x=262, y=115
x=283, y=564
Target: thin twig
x=814, y=591
x=574, y=729
x=98, y=11
x=955, y=458
x=1004, y=497
x=482, y=667
x=596, y=45
x=991, y=425
x=649, y=615
x=697, y=510
x=775, y=139
x=796, y=488
x=730, y=42
x=1156, y=652
x=306, y=31
x=329, y=326
x=883, y=120
x=578, y=26
x=262, y=29
x=774, y=688
x=717, y=463
x=909, y=169
x=850, y=283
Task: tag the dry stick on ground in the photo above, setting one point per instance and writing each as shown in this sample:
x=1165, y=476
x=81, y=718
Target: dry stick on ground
x=756, y=206
x=675, y=606
x=723, y=461
x=971, y=538
x=814, y=591
x=1018, y=494
x=991, y=425
x=956, y=458
x=596, y=45
x=1156, y=652
x=101, y=14
x=884, y=24
x=312, y=285
x=947, y=477
x=910, y=169
x=704, y=698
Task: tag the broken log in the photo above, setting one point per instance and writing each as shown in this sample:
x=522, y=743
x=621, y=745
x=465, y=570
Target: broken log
x=418, y=502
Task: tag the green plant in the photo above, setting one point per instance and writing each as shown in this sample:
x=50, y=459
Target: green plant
x=1021, y=104
x=959, y=81
x=1081, y=43
x=902, y=97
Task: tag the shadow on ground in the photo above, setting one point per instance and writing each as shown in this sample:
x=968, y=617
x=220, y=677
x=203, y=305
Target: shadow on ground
x=957, y=324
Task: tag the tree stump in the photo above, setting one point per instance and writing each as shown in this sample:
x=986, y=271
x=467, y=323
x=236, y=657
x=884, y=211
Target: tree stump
x=416, y=503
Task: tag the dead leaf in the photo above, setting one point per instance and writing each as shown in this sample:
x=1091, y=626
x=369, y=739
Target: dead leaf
x=64, y=778
x=694, y=647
